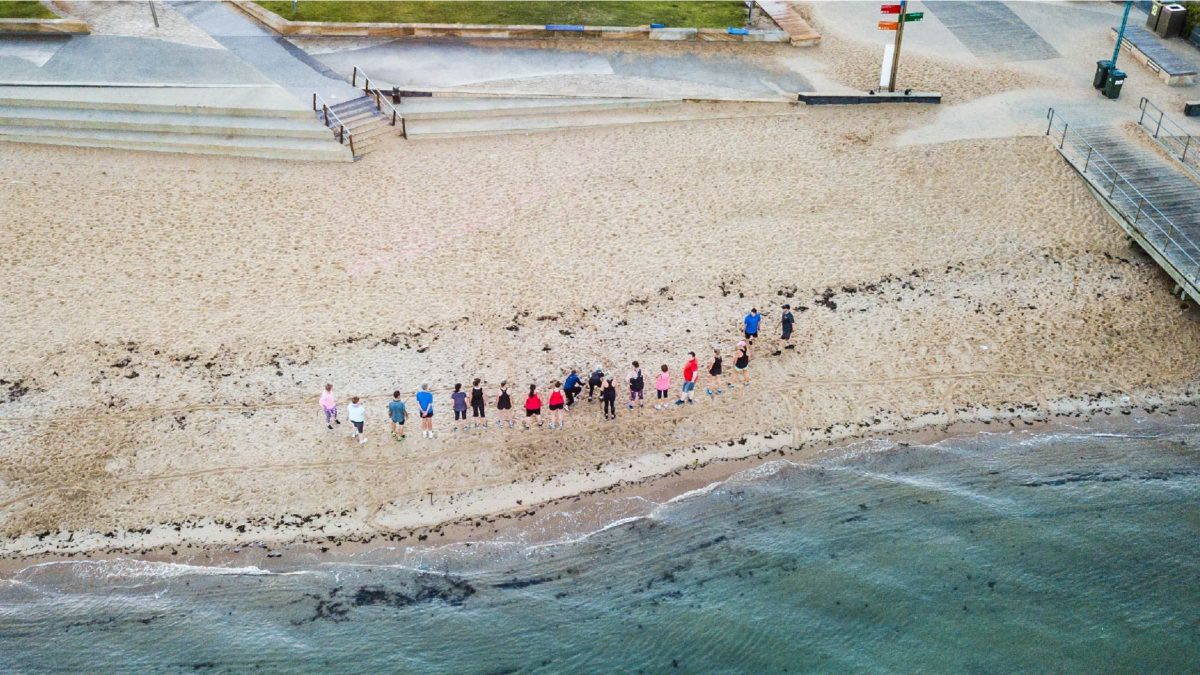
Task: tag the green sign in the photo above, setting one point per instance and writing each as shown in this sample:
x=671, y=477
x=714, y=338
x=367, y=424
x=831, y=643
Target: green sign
x=914, y=16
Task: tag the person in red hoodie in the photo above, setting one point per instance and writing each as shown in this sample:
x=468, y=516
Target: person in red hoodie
x=690, y=370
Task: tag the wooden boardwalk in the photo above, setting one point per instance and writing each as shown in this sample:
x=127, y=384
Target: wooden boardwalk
x=1159, y=202
x=789, y=19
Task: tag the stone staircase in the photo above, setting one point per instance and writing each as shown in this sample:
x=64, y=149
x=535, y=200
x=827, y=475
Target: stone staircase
x=458, y=116
x=364, y=123
x=264, y=122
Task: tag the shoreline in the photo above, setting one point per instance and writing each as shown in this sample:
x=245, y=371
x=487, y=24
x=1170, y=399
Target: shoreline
x=478, y=517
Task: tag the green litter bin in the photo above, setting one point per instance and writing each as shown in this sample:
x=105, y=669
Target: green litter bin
x=1112, y=86
x=1102, y=68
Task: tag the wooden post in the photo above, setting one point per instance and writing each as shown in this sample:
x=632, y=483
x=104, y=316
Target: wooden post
x=899, y=39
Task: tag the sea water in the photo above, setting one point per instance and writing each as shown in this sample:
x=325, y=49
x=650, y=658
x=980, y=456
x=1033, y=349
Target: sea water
x=1071, y=550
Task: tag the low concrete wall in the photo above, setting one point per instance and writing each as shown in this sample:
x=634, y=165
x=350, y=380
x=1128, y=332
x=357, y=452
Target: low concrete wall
x=63, y=25
x=818, y=98
x=501, y=32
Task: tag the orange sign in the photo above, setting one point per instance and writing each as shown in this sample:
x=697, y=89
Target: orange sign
x=887, y=25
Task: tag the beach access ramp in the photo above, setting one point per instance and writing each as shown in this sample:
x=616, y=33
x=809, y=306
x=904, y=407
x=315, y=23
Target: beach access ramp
x=1153, y=197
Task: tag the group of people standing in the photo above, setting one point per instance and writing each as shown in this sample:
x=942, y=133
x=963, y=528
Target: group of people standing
x=563, y=395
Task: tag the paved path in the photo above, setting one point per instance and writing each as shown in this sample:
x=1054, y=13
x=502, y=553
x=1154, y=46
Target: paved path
x=992, y=31
x=415, y=64
x=269, y=54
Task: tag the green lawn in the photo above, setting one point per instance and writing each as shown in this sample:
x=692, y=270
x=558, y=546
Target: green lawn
x=705, y=14
x=24, y=9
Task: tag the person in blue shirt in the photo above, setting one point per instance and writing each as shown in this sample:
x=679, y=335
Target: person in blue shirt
x=752, y=320
x=397, y=414
x=425, y=405
x=571, y=387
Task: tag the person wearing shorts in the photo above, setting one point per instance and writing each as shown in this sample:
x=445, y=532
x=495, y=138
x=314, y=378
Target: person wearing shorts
x=637, y=386
x=397, y=414
x=358, y=417
x=751, y=324
x=425, y=410
x=504, y=406
x=557, y=402
x=741, y=362
x=714, y=371
x=690, y=369
x=786, y=322
x=533, y=406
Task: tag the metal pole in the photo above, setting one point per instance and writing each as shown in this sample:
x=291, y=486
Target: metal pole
x=1159, y=127
x=1089, y=159
x=354, y=77
x=153, y=13
x=1121, y=33
x=896, y=51
x=1183, y=155
x=1064, y=136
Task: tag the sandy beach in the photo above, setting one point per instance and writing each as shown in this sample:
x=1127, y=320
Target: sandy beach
x=171, y=320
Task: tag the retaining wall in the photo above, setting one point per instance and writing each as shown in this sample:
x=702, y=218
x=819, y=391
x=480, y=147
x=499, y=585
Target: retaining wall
x=502, y=32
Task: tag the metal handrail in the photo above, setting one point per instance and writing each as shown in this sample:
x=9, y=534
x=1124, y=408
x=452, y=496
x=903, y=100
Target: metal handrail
x=340, y=133
x=380, y=98
x=1175, y=133
x=1145, y=208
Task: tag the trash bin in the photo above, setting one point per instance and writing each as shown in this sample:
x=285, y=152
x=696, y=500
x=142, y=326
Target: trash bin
x=1171, y=19
x=1102, y=68
x=1152, y=15
x=1112, y=86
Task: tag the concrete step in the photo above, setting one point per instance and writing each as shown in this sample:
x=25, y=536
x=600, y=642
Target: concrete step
x=374, y=132
x=266, y=101
x=212, y=144
x=358, y=104
x=457, y=108
x=521, y=124
x=370, y=123
x=359, y=117
x=118, y=120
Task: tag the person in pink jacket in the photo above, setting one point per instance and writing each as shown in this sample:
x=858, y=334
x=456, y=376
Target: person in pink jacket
x=329, y=406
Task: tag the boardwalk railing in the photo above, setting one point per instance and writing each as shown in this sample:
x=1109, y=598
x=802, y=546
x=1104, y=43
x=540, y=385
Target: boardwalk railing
x=1170, y=135
x=381, y=99
x=331, y=120
x=1180, y=253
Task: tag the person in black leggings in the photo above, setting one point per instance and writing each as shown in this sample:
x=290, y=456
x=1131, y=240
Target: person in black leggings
x=595, y=381
x=477, y=416
x=608, y=395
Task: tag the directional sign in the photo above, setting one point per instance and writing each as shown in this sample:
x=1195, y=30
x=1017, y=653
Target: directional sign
x=890, y=9
x=887, y=25
x=914, y=16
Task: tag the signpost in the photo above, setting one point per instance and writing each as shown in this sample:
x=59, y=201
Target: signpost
x=902, y=17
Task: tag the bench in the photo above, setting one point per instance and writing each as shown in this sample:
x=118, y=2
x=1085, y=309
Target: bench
x=1146, y=48
x=1191, y=109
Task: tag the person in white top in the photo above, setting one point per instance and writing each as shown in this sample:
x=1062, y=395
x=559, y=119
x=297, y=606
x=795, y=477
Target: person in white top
x=357, y=412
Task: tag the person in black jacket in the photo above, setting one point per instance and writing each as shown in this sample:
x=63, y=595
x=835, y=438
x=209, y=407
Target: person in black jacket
x=595, y=380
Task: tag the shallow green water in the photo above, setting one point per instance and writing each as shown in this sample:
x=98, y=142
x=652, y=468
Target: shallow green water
x=1017, y=552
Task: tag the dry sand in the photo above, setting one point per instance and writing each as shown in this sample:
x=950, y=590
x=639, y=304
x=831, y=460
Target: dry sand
x=170, y=320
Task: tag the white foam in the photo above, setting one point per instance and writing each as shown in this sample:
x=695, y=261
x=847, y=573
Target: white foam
x=125, y=568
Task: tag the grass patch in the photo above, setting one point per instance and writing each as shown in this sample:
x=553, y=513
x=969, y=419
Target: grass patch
x=703, y=14
x=25, y=9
